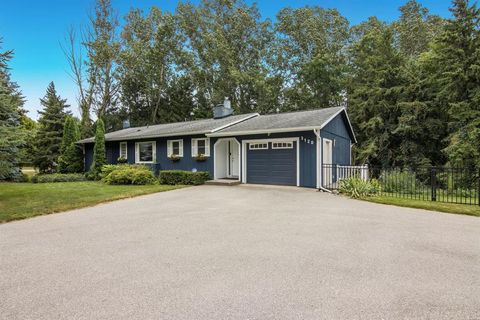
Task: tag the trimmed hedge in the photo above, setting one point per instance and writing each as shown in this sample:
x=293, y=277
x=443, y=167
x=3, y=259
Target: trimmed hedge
x=58, y=177
x=173, y=177
x=128, y=174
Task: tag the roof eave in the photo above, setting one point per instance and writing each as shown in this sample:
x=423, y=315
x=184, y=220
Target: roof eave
x=344, y=110
x=261, y=131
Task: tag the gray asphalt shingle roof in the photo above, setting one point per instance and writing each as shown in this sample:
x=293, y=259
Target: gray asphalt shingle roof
x=172, y=129
x=279, y=121
x=236, y=124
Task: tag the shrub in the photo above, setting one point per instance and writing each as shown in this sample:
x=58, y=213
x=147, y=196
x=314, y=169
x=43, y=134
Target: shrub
x=173, y=177
x=128, y=174
x=399, y=181
x=122, y=160
x=108, y=168
x=358, y=188
x=58, y=177
x=24, y=178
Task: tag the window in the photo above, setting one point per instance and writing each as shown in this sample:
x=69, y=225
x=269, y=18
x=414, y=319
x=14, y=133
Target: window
x=145, y=152
x=258, y=146
x=282, y=145
x=123, y=150
x=201, y=146
x=175, y=148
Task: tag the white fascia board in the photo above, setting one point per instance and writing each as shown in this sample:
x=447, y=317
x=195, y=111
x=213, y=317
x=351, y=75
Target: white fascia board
x=235, y=122
x=260, y=131
x=156, y=136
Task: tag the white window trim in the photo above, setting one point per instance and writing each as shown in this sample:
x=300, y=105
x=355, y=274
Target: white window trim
x=289, y=145
x=170, y=147
x=137, y=152
x=120, y=149
x=195, y=148
x=258, y=145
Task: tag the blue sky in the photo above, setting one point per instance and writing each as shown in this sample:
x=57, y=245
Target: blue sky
x=35, y=29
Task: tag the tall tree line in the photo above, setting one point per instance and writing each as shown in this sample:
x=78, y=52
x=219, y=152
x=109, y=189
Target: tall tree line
x=411, y=86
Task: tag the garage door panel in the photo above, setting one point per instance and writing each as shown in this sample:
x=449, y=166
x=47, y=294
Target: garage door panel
x=272, y=166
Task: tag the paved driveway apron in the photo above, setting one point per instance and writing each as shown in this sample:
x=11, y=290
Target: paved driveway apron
x=247, y=252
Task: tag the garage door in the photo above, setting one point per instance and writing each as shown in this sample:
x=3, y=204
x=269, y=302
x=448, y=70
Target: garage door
x=272, y=162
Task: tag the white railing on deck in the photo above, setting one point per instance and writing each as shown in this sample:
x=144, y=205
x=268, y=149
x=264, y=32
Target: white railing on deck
x=345, y=172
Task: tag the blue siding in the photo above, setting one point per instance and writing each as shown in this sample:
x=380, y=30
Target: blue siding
x=336, y=130
x=88, y=156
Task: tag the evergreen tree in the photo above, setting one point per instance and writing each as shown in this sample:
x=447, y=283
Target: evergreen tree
x=28, y=149
x=457, y=62
x=50, y=131
x=99, y=155
x=374, y=95
x=11, y=131
x=71, y=158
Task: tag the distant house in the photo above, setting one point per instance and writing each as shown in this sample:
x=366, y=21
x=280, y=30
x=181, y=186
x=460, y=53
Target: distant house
x=284, y=148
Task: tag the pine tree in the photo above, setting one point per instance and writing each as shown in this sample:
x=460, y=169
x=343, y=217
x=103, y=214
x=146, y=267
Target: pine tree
x=99, y=155
x=11, y=131
x=70, y=160
x=458, y=76
x=50, y=132
x=374, y=94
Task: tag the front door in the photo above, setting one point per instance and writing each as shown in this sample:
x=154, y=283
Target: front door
x=233, y=160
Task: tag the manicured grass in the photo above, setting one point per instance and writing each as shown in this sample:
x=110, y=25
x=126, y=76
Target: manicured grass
x=472, y=210
x=25, y=200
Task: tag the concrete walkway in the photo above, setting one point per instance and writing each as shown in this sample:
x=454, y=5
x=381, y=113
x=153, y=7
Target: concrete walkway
x=244, y=252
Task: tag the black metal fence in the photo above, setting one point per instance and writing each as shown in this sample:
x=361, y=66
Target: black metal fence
x=442, y=184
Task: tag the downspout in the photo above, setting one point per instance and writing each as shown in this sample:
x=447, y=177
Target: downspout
x=319, y=162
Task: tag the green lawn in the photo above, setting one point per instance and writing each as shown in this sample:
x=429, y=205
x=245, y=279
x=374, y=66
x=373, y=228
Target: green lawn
x=472, y=210
x=25, y=200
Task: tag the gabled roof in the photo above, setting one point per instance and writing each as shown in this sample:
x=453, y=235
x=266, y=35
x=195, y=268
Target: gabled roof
x=285, y=122
x=174, y=129
x=243, y=124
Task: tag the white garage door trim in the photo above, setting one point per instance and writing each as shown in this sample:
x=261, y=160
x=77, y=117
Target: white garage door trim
x=244, y=154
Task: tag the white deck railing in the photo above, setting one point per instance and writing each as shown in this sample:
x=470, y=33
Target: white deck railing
x=333, y=174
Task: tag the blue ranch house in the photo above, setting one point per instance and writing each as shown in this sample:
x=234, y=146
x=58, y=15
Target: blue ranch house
x=281, y=149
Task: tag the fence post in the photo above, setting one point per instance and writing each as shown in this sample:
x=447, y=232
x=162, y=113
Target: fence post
x=478, y=193
x=433, y=180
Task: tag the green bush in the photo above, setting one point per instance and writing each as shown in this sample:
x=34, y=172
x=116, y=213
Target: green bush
x=399, y=181
x=358, y=188
x=58, y=177
x=174, y=177
x=128, y=174
x=108, y=168
x=122, y=160
x=24, y=178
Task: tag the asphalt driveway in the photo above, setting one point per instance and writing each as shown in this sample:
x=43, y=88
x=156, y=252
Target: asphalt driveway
x=241, y=252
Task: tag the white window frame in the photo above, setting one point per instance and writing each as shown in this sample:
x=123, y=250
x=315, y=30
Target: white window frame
x=126, y=150
x=137, y=151
x=263, y=145
x=195, y=146
x=170, y=147
x=282, y=145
